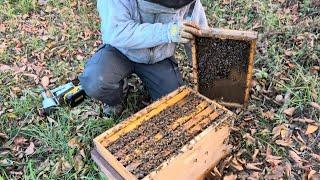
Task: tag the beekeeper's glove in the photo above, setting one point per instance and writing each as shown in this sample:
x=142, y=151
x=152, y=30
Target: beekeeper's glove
x=184, y=32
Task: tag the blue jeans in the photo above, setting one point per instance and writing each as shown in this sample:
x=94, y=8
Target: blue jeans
x=104, y=72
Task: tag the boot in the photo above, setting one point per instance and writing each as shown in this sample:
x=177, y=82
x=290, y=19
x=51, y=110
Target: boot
x=116, y=111
x=112, y=111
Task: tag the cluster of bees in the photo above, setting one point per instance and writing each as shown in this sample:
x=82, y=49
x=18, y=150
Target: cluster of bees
x=216, y=58
x=139, y=146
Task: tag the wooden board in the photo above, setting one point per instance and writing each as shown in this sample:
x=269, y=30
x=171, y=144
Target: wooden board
x=233, y=89
x=142, y=115
x=230, y=34
x=206, y=154
x=197, y=158
x=105, y=167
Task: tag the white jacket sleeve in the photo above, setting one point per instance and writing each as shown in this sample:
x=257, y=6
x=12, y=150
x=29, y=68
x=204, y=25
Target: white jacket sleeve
x=119, y=29
x=199, y=15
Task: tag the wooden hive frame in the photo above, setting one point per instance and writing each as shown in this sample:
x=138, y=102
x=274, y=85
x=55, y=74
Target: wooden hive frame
x=198, y=156
x=225, y=34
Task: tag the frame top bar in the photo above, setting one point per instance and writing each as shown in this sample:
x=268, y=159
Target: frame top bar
x=229, y=34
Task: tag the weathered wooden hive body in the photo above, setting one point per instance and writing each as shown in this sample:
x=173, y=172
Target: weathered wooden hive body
x=223, y=65
x=181, y=136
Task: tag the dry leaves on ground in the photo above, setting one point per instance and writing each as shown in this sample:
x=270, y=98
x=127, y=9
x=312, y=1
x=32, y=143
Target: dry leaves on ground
x=289, y=111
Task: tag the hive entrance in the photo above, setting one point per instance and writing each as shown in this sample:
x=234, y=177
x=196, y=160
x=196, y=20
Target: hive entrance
x=223, y=68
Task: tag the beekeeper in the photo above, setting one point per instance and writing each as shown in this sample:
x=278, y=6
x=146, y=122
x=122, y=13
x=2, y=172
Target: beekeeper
x=140, y=36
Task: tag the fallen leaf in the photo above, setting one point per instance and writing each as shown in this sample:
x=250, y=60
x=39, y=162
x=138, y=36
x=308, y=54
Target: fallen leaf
x=74, y=143
x=274, y=160
x=269, y=114
x=44, y=37
x=315, y=176
x=216, y=172
x=4, y=68
x=249, y=138
x=314, y=94
x=299, y=138
x=82, y=153
x=16, y=173
x=281, y=130
x=3, y=136
x=254, y=156
x=19, y=140
x=6, y=162
x=242, y=161
x=285, y=143
x=311, y=129
x=275, y=173
x=30, y=149
x=16, y=90
x=53, y=80
x=235, y=164
x=52, y=121
x=304, y=120
x=295, y=157
x=79, y=57
x=285, y=133
x=42, y=2
x=78, y=162
x=316, y=156
x=290, y=65
x=288, y=169
x=315, y=105
x=65, y=166
x=79, y=127
x=2, y=27
x=287, y=97
x=18, y=70
x=11, y=116
x=57, y=168
x=253, y=166
x=315, y=69
x=287, y=52
x=44, y=166
x=279, y=99
x=5, y=151
x=224, y=2
x=230, y=177
x=289, y=111
x=254, y=175
x=45, y=81
x=248, y=118
x=35, y=77
x=224, y=163
x=311, y=174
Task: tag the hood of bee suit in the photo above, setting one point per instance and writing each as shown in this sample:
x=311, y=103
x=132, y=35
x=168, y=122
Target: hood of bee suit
x=175, y=4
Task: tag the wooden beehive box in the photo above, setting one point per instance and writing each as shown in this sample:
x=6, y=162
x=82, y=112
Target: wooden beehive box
x=223, y=65
x=181, y=136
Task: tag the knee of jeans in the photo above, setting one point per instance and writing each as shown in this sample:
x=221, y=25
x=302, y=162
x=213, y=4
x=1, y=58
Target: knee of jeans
x=98, y=88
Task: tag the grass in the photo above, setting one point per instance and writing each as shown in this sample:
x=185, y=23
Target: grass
x=287, y=36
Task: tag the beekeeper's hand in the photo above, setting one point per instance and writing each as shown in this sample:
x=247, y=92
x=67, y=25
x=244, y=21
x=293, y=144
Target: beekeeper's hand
x=184, y=32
